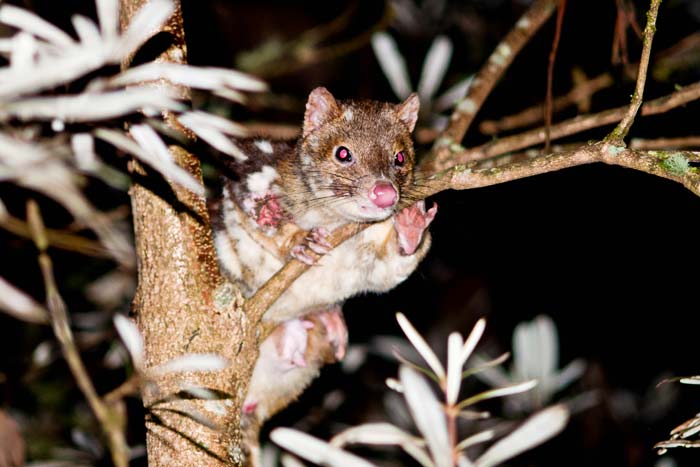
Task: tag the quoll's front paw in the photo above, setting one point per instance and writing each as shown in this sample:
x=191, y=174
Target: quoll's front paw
x=316, y=241
x=336, y=331
x=410, y=224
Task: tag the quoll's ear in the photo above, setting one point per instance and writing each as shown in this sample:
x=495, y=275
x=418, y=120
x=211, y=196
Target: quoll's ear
x=408, y=111
x=320, y=109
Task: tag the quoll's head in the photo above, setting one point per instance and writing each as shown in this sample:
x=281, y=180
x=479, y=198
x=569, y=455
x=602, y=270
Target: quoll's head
x=358, y=155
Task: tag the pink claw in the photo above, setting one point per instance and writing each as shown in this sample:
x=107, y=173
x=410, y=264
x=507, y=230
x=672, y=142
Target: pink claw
x=336, y=330
x=316, y=241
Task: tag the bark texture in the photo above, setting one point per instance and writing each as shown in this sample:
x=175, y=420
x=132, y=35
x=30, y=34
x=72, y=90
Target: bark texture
x=183, y=305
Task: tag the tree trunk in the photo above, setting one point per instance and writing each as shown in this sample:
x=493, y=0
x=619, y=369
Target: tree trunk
x=183, y=305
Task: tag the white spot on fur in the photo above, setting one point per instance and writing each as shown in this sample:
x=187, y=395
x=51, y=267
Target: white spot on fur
x=259, y=182
x=252, y=254
x=227, y=257
x=306, y=160
x=264, y=145
x=347, y=115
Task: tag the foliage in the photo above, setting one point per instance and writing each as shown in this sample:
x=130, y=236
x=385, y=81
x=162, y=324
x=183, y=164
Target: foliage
x=436, y=420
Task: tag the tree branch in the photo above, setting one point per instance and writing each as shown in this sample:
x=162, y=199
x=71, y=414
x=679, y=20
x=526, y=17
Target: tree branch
x=670, y=165
x=110, y=420
x=568, y=127
x=618, y=135
x=550, y=74
x=56, y=238
x=461, y=169
x=183, y=305
x=486, y=79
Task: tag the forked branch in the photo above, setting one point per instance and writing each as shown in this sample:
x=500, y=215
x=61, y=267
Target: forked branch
x=444, y=167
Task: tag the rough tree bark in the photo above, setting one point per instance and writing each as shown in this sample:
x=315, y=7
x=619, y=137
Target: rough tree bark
x=183, y=305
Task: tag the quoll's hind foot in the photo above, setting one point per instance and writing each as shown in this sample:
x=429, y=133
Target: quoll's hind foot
x=336, y=330
x=283, y=351
x=410, y=224
x=291, y=343
x=316, y=241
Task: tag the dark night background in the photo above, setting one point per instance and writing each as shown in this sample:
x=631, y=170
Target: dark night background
x=608, y=253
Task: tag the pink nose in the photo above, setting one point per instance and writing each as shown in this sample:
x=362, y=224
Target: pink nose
x=383, y=194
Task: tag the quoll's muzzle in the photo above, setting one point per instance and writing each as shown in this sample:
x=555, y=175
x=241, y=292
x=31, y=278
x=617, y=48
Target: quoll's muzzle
x=383, y=195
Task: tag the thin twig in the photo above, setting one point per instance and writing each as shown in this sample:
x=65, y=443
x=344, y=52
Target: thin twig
x=550, y=73
x=112, y=424
x=56, y=238
x=666, y=143
x=462, y=177
x=485, y=80
x=617, y=136
x=570, y=127
x=130, y=387
x=652, y=162
x=266, y=295
x=481, y=174
x=533, y=114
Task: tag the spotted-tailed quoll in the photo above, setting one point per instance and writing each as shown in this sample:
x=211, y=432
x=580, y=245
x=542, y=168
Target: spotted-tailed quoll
x=353, y=162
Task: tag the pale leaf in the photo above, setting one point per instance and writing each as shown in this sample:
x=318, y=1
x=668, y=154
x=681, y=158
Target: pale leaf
x=428, y=415
x=24, y=48
x=472, y=340
x=475, y=439
x=198, y=417
x=499, y=392
x=394, y=385
x=51, y=72
x=571, y=372
x=315, y=450
x=690, y=380
x=421, y=346
x=20, y=305
x=287, y=460
x=31, y=23
x=43, y=354
x=534, y=431
x=132, y=339
x=199, y=392
x=191, y=362
x=392, y=63
x=144, y=24
x=91, y=107
x=86, y=29
x=484, y=366
x=434, y=67
x=456, y=92
x=211, y=133
x=454, y=367
x=384, y=434
x=157, y=155
x=108, y=15
x=535, y=348
x=83, y=146
x=196, y=77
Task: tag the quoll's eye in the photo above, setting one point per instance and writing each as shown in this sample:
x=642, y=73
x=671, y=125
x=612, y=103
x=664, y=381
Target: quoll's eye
x=399, y=159
x=343, y=154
